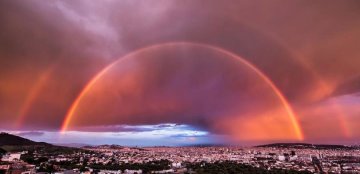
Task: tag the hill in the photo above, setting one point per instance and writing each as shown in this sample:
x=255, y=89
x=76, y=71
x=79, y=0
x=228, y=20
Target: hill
x=13, y=143
x=2, y=151
x=76, y=145
x=7, y=139
x=105, y=146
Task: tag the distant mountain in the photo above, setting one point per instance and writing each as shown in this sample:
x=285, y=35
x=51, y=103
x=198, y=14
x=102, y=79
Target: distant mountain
x=307, y=146
x=207, y=145
x=113, y=146
x=105, y=146
x=7, y=139
x=77, y=145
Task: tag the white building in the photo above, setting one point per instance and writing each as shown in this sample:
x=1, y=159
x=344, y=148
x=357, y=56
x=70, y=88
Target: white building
x=11, y=157
x=176, y=165
x=110, y=172
x=127, y=171
x=281, y=158
x=165, y=171
x=293, y=158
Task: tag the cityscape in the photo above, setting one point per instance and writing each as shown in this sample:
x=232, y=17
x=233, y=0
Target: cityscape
x=179, y=86
x=31, y=158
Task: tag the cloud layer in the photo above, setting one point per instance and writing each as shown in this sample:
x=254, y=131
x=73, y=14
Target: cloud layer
x=50, y=50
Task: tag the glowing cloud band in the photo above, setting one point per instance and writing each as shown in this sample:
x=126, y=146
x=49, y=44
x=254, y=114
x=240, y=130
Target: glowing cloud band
x=278, y=93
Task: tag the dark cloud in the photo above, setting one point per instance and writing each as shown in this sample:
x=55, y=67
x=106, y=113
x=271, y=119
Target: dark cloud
x=30, y=133
x=188, y=135
x=134, y=128
x=122, y=128
x=348, y=87
x=117, y=128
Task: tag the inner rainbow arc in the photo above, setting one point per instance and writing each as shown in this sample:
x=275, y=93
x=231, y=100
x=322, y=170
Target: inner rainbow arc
x=278, y=93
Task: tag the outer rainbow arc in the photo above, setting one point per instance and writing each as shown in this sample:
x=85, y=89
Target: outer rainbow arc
x=324, y=85
x=33, y=94
x=278, y=93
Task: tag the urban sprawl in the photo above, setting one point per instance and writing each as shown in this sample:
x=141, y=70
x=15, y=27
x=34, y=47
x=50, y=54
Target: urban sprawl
x=113, y=159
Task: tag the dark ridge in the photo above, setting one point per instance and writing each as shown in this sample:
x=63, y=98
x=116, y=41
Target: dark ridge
x=75, y=145
x=7, y=139
x=13, y=143
x=105, y=146
x=113, y=146
x=2, y=151
x=207, y=145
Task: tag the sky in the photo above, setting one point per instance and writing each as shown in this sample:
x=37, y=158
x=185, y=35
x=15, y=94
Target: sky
x=181, y=72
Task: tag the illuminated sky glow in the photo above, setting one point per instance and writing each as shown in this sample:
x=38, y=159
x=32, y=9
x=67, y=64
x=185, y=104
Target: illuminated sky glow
x=184, y=46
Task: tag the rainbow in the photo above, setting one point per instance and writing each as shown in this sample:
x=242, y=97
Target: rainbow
x=32, y=95
x=69, y=115
x=326, y=88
